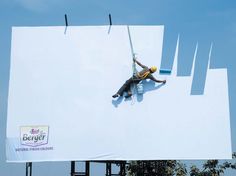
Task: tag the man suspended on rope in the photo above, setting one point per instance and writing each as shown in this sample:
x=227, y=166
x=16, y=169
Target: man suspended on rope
x=146, y=73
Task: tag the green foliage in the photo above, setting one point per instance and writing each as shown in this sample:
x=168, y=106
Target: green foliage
x=157, y=168
x=177, y=168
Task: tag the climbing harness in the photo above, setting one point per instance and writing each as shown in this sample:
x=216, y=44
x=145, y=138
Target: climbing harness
x=144, y=75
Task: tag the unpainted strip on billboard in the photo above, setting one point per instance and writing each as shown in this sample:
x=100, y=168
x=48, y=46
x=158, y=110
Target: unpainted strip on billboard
x=60, y=104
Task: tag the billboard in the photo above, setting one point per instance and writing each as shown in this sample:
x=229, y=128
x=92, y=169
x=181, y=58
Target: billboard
x=60, y=104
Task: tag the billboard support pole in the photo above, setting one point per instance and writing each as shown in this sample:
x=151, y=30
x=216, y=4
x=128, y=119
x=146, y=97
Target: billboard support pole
x=73, y=171
x=28, y=169
x=122, y=168
x=72, y=168
x=66, y=21
x=121, y=164
x=87, y=168
x=110, y=20
x=108, y=168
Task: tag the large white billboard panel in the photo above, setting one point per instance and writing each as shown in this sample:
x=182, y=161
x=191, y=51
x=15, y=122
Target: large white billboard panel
x=60, y=106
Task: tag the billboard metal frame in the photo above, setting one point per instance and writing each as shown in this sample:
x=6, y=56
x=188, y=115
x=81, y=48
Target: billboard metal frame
x=86, y=172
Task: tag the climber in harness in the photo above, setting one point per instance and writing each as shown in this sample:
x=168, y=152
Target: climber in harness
x=146, y=73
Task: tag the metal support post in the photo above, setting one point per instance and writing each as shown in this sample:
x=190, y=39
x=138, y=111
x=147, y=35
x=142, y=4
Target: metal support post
x=108, y=168
x=72, y=168
x=29, y=169
x=87, y=168
x=122, y=168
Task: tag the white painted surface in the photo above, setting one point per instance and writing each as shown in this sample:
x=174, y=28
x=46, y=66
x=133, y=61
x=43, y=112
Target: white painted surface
x=65, y=81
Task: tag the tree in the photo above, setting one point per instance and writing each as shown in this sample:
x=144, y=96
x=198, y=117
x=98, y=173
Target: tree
x=213, y=168
x=173, y=167
x=157, y=168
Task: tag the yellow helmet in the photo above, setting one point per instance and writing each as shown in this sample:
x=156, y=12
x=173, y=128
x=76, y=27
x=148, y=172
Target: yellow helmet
x=153, y=69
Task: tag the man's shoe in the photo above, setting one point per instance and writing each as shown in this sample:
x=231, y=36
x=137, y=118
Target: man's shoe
x=116, y=95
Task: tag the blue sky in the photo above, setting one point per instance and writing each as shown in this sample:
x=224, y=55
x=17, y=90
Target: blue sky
x=202, y=21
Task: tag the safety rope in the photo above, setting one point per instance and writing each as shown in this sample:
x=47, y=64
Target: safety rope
x=133, y=65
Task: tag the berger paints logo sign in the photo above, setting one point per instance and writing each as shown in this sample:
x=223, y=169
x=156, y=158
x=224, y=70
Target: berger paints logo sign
x=34, y=135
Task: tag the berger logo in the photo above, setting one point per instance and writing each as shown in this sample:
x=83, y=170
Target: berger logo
x=34, y=135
